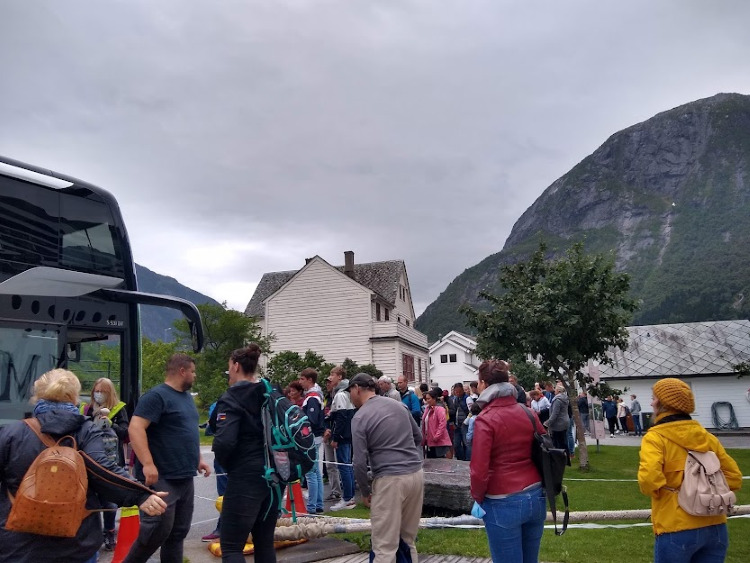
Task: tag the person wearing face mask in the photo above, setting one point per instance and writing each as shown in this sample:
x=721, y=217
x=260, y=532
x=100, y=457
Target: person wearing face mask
x=107, y=411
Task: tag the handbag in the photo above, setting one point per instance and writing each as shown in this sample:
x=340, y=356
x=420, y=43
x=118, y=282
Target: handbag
x=550, y=462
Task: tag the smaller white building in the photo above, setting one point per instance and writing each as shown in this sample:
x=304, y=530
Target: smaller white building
x=452, y=360
x=700, y=354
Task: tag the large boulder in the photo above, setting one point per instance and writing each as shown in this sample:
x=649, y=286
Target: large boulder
x=446, y=485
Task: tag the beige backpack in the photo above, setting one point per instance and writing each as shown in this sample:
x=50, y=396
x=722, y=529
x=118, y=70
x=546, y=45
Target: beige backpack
x=704, y=490
x=51, y=499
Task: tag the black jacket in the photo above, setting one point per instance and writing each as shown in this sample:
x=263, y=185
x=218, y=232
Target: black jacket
x=19, y=447
x=238, y=438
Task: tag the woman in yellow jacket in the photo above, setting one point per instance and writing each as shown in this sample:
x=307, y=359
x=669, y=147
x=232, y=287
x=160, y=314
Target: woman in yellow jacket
x=680, y=537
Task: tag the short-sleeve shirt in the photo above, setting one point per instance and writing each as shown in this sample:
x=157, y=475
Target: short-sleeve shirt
x=173, y=438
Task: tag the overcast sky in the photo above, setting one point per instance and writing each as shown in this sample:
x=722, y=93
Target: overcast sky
x=241, y=137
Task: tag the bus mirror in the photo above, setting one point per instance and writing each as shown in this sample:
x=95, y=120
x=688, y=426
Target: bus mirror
x=195, y=339
x=74, y=354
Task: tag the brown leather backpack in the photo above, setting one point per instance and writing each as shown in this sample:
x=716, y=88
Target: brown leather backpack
x=51, y=500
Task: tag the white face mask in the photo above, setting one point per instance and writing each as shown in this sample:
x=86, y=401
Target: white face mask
x=99, y=397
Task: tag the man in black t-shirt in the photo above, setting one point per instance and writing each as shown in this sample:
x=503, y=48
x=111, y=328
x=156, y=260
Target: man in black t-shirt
x=164, y=435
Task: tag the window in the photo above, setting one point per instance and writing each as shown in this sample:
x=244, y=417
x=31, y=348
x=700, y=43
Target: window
x=377, y=311
x=453, y=358
x=408, y=323
x=419, y=369
x=443, y=358
x=408, y=366
x=387, y=314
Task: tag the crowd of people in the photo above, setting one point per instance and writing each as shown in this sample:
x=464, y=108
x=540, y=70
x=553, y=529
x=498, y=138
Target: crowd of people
x=372, y=435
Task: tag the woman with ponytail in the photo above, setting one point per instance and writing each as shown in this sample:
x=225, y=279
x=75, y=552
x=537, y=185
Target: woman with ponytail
x=248, y=505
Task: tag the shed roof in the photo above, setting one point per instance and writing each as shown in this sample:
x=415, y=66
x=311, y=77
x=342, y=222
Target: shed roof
x=380, y=277
x=681, y=350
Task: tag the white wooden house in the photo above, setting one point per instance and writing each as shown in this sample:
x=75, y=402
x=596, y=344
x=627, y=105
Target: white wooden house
x=358, y=311
x=701, y=354
x=452, y=360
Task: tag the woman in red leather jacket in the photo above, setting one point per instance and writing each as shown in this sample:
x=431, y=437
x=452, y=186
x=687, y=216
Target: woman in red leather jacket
x=504, y=479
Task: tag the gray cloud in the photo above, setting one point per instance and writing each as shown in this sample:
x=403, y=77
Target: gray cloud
x=241, y=137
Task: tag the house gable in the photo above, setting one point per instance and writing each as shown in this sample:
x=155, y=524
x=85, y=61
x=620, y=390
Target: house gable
x=382, y=278
x=321, y=309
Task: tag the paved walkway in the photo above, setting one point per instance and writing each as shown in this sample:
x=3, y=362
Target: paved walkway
x=740, y=440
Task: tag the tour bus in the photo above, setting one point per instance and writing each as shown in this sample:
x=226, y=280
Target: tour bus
x=68, y=290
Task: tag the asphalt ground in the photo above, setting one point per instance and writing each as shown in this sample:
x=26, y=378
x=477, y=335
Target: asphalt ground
x=205, y=513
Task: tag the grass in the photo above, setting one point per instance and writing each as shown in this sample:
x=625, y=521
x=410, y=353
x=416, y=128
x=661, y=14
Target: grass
x=601, y=545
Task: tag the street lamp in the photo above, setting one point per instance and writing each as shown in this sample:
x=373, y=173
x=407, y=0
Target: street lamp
x=166, y=330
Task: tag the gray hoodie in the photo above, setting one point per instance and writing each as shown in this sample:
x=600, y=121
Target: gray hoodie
x=558, y=413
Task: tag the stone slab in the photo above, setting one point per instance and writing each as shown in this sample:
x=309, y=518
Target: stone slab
x=446, y=485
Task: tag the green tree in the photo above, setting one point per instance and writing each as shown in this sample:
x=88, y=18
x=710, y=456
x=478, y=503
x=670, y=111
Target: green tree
x=225, y=330
x=286, y=366
x=527, y=373
x=742, y=369
x=369, y=369
x=154, y=356
x=563, y=311
x=352, y=368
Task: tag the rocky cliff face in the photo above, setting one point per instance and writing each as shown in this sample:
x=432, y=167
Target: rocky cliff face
x=670, y=197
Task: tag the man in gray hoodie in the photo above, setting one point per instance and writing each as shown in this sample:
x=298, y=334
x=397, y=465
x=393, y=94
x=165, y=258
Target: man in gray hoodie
x=558, y=420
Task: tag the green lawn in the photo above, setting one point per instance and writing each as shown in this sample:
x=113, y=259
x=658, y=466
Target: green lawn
x=600, y=545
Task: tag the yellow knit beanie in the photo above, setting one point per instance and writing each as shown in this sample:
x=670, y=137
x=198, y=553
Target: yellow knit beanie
x=675, y=394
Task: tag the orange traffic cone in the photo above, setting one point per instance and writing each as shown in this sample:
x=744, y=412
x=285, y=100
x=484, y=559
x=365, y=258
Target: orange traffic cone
x=130, y=525
x=295, y=502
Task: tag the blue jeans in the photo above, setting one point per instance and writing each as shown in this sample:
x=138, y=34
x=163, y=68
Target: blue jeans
x=515, y=525
x=344, y=455
x=459, y=442
x=585, y=421
x=571, y=440
x=637, y=424
x=221, y=487
x=314, y=480
x=702, y=545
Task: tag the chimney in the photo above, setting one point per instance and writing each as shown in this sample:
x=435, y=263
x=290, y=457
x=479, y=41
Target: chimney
x=349, y=263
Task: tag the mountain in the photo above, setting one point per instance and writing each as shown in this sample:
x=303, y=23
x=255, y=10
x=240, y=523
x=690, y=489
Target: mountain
x=156, y=322
x=669, y=196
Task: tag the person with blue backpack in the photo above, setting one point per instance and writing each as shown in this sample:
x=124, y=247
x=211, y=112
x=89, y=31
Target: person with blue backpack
x=410, y=399
x=249, y=505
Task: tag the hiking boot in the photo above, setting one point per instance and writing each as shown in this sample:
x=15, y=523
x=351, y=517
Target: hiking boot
x=333, y=496
x=344, y=505
x=109, y=540
x=213, y=536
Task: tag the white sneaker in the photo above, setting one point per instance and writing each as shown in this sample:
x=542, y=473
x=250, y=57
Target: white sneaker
x=344, y=505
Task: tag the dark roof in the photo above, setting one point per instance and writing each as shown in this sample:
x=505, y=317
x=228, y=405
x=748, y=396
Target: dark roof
x=681, y=350
x=380, y=277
